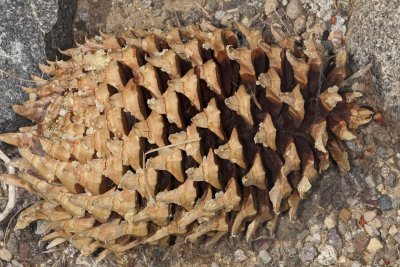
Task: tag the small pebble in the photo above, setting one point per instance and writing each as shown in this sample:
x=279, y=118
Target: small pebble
x=397, y=238
x=345, y=215
x=315, y=229
x=328, y=256
x=329, y=222
x=299, y=25
x=393, y=230
x=265, y=256
x=385, y=203
x=294, y=9
x=334, y=238
x=390, y=180
x=308, y=253
x=315, y=238
x=5, y=254
x=374, y=245
x=270, y=6
x=219, y=15
x=290, y=251
x=375, y=223
x=240, y=256
x=370, y=181
x=369, y=215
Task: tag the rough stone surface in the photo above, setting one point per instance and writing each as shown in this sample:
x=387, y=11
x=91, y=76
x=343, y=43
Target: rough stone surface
x=270, y=6
x=308, y=253
x=24, y=41
x=328, y=256
x=294, y=9
x=373, y=39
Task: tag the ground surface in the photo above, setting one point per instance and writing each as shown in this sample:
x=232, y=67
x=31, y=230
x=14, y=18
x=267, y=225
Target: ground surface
x=350, y=219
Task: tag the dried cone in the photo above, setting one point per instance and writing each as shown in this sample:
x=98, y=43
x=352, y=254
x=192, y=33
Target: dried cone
x=233, y=138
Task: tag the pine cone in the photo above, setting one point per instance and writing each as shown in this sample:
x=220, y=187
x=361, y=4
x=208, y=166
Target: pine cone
x=152, y=135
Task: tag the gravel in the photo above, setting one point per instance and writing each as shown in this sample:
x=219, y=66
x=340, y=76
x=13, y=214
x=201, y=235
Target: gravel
x=385, y=203
x=308, y=253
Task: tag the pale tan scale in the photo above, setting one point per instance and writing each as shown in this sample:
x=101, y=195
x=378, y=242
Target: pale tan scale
x=240, y=102
x=209, y=73
x=320, y=135
x=247, y=211
x=184, y=195
x=257, y=175
x=266, y=134
x=210, y=118
x=188, y=85
x=300, y=69
x=167, y=104
x=207, y=171
x=272, y=84
x=188, y=141
x=168, y=159
x=232, y=150
x=295, y=101
x=152, y=129
x=168, y=61
x=143, y=181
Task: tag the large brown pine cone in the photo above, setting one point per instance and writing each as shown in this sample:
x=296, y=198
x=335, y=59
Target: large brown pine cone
x=195, y=131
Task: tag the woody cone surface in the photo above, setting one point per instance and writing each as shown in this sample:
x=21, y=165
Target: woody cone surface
x=150, y=135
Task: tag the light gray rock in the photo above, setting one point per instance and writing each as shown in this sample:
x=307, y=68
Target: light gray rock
x=328, y=256
x=372, y=38
x=270, y=6
x=294, y=9
x=30, y=32
x=308, y=253
x=265, y=256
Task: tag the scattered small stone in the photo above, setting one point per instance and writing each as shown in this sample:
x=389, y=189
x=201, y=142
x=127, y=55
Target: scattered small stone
x=393, y=230
x=284, y=2
x=16, y=263
x=294, y=9
x=397, y=238
x=345, y=215
x=270, y=6
x=397, y=160
x=329, y=223
x=375, y=223
x=240, y=256
x=374, y=245
x=299, y=25
x=5, y=254
x=334, y=238
x=328, y=256
x=369, y=215
x=214, y=264
x=290, y=251
x=356, y=264
x=315, y=229
x=265, y=256
x=219, y=15
x=370, y=181
x=302, y=234
x=211, y=5
x=390, y=180
x=308, y=253
x=315, y=238
x=385, y=203
x=360, y=242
